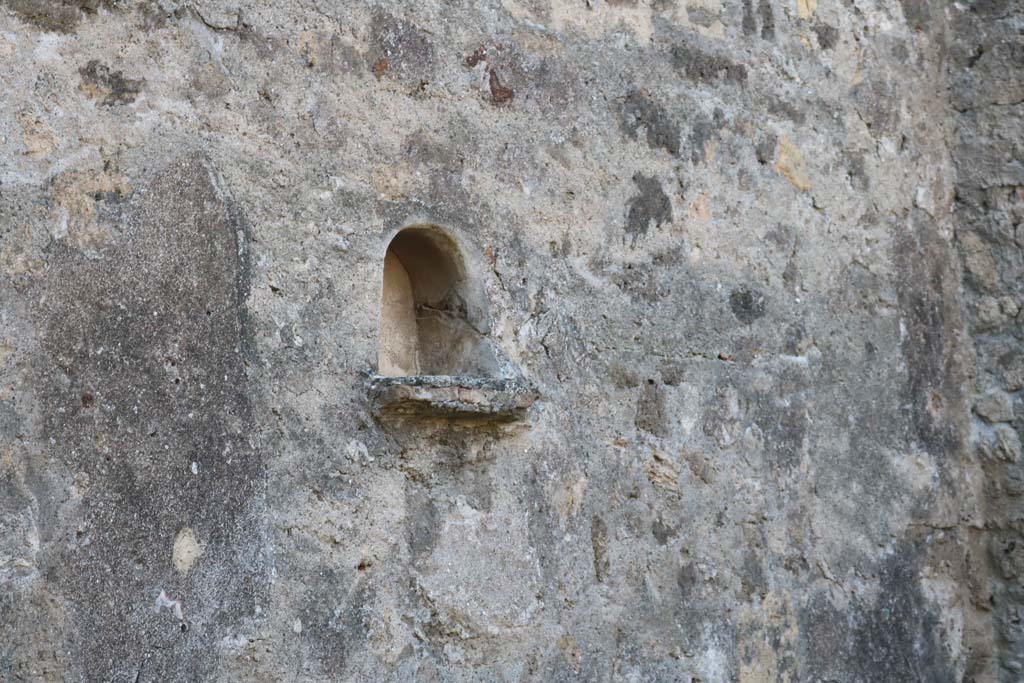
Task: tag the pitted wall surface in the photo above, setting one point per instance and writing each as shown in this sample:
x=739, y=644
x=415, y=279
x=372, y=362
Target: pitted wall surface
x=723, y=242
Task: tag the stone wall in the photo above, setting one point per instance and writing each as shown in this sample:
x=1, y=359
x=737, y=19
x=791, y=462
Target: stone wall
x=717, y=240
x=987, y=90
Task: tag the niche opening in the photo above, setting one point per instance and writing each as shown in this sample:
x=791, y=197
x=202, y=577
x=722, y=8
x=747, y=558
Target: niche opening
x=432, y=322
x=434, y=358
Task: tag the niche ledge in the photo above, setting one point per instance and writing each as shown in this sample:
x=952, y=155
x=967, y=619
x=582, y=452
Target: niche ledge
x=450, y=396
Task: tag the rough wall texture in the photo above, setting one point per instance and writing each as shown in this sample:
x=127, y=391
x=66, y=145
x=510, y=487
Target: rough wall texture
x=726, y=243
x=987, y=93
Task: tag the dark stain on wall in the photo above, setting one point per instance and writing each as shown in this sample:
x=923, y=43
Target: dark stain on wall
x=892, y=637
x=652, y=205
x=747, y=304
x=638, y=110
x=650, y=410
x=108, y=87
x=703, y=131
x=933, y=387
x=401, y=50
x=699, y=64
x=55, y=15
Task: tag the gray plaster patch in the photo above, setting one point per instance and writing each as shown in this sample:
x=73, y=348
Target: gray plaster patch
x=145, y=379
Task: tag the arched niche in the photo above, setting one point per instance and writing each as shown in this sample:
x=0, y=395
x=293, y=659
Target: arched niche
x=433, y=318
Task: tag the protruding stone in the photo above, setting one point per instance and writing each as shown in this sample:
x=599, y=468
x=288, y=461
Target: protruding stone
x=806, y=8
x=978, y=260
x=792, y=166
x=1003, y=444
x=989, y=313
x=995, y=406
x=440, y=396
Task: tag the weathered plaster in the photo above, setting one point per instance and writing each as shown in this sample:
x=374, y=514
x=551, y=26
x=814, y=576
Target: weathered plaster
x=754, y=261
